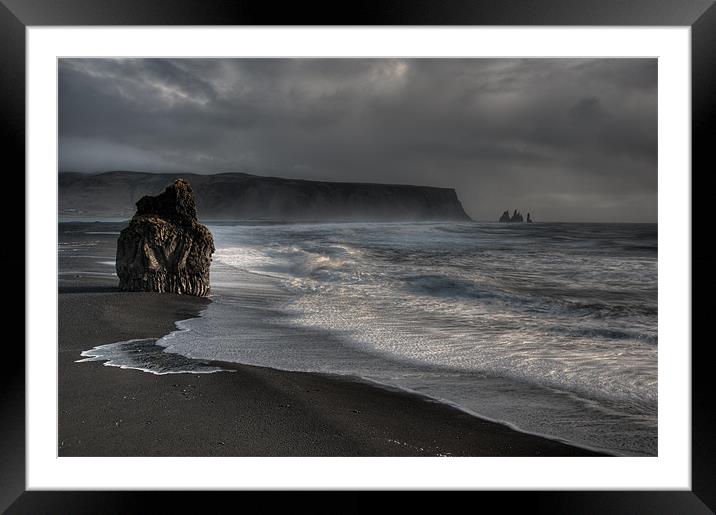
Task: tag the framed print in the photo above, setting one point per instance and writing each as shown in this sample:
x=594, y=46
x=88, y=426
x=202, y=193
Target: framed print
x=416, y=248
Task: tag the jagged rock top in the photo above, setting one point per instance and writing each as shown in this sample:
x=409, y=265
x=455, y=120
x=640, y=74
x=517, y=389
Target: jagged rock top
x=516, y=217
x=175, y=204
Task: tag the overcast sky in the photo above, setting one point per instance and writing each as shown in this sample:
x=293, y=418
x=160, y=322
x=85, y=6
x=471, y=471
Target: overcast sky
x=565, y=139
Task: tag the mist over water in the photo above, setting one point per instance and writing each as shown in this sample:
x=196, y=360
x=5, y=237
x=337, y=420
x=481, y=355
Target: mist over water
x=551, y=328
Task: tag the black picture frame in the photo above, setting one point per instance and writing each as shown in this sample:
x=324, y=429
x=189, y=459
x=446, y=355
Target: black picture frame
x=16, y=15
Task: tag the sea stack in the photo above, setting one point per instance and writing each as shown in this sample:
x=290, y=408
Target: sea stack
x=516, y=217
x=165, y=248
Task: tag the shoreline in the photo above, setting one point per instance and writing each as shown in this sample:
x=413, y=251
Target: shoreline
x=254, y=411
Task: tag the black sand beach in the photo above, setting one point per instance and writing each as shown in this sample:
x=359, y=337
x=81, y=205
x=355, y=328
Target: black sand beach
x=252, y=411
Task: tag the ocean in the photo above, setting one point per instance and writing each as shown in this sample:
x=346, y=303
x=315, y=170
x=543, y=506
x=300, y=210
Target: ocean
x=550, y=328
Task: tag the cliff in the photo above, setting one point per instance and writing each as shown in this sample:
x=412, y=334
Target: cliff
x=239, y=196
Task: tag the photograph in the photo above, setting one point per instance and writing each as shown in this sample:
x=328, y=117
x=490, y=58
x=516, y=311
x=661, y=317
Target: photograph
x=403, y=247
x=364, y=256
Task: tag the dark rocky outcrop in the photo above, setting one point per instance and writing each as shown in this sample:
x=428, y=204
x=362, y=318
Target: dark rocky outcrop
x=165, y=248
x=240, y=196
x=516, y=217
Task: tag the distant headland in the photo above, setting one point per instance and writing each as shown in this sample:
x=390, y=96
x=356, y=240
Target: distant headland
x=241, y=196
x=516, y=217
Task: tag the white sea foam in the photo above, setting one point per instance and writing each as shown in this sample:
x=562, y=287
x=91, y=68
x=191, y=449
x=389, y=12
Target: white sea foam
x=145, y=355
x=462, y=317
x=553, y=332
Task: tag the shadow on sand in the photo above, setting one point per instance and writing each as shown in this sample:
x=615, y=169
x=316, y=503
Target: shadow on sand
x=89, y=289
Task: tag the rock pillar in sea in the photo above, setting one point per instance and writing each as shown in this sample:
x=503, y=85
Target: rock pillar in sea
x=165, y=248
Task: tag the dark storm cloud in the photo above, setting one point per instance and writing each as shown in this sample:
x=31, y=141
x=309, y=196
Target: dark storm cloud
x=562, y=138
